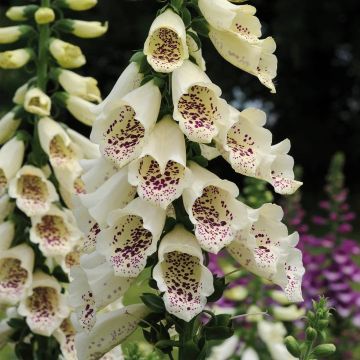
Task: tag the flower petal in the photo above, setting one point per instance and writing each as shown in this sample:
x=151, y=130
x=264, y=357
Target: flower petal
x=165, y=45
x=180, y=273
x=132, y=236
x=7, y=233
x=111, y=329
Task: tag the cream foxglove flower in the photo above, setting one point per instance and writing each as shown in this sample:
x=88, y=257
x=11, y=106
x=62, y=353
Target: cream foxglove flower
x=83, y=29
x=129, y=80
x=280, y=297
x=32, y=191
x=11, y=34
x=86, y=148
x=19, y=96
x=213, y=209
x=266, y=249
x=123, y=128
x=44, y=15
x=288, y=313
x=246, y=145
x=180, y=273
x=21, y=13
x=225, y=350
x=75, y=84
x=71, y=259
x=15, y=59
x=55, y=232
x=37, y=102
x=113, y=194
x=8, y=125
x=194, y=50
x=67, y=55
x=5, y=329
x=94, y=286
x=249, y=354
x=96, y=172
x=7, y=233
x=11, y=158
x=165, y=46
x=101, y=339
x=6, y=207
x=132, y=236
x=197, y=104
x=16, y=267
x=45, y=307
x=160, y=172
x=78, y=5
x=209, y=152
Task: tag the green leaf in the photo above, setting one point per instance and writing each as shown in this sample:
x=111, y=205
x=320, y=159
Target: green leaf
x=16, y=323
x=163, y=344
x=176, y=5
x=200, y=26
x=60, y=275
x=186, y=16
x=199, y=159
x=218, y=332
x=190, y=350
x=153, y=302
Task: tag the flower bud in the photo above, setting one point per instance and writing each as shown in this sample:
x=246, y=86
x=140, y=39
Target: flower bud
x=8, y=125
x=66, y=54
x=236, y=293
x=21, y=13
x=75, y=84
x=15, y=59
x=323, y=324
x=311, y=334
x=288, y=313
x=292, y=346
x=78, y=5
x=11, y=34
x=44, y=15
x=82, y=29
x=19, y=96
x=324, y=350
x=37, y=102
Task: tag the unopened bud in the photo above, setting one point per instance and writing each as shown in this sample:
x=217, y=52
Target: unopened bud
x=292, y=346
x=324, y=350
x=44, y=15
x=311, y=334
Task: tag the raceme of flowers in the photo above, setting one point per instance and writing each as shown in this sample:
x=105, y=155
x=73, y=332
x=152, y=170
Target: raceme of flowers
x=40, y=173
x=154, y=129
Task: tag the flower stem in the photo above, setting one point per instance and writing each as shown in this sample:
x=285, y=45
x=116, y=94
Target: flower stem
x=44, y=36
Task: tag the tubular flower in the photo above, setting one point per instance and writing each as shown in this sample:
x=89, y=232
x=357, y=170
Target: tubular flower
x=101, y=339
x=235, y=33
x=266, y=249
x=246, y=145
x=44, y=15
x=45, y=307
x=212, y=207
x=122, y=130
x=87, y=149
x=11, y=158
x=32, y=191
x=78, y=5
x=6, y=207
x=81, y=86
x=94, y=286
x=8, y=125
x=37, y=102
x=166, y=46
x=67, y=55
x=11, y=34
x=15, y=59
x=16, y=267
x=55, y=232
x=83, y=29
x=113, y=194
x=21, y=13
x=7, y=233
x=132, y=236
x=197, y=105
x=19, y=96
x=160, y=172
x=129, y=80
x=180, y=273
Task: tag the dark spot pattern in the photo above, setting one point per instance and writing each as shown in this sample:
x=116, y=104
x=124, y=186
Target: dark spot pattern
x=59, y=153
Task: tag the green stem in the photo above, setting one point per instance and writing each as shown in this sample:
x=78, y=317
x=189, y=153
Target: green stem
x=44, y=36
x=184, y=337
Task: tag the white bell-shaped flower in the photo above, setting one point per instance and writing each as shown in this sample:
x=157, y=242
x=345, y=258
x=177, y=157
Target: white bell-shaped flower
x=160, y=172
x=114, y=193
x=16, y=267
x=15, y=59
x=266, y=249
x=32, y=191
x=123, y=128
x=6, y=207
x=86, y=148
x=37, y=102
x=197, y=104
x=181, y=275
x=11, y=158
x=67, y=55
x=19, y=96
x=111, y=329
x=45, y=306
x=213, y=209
x=132, y=236
x=8, y=126
x=70, y=259
x=7, y=233
x=94, y=286
x=55, y=232
x=166, y=46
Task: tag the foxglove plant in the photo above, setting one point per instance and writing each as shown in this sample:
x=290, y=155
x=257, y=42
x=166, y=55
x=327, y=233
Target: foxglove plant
x=39, y=175
x=155, y=205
